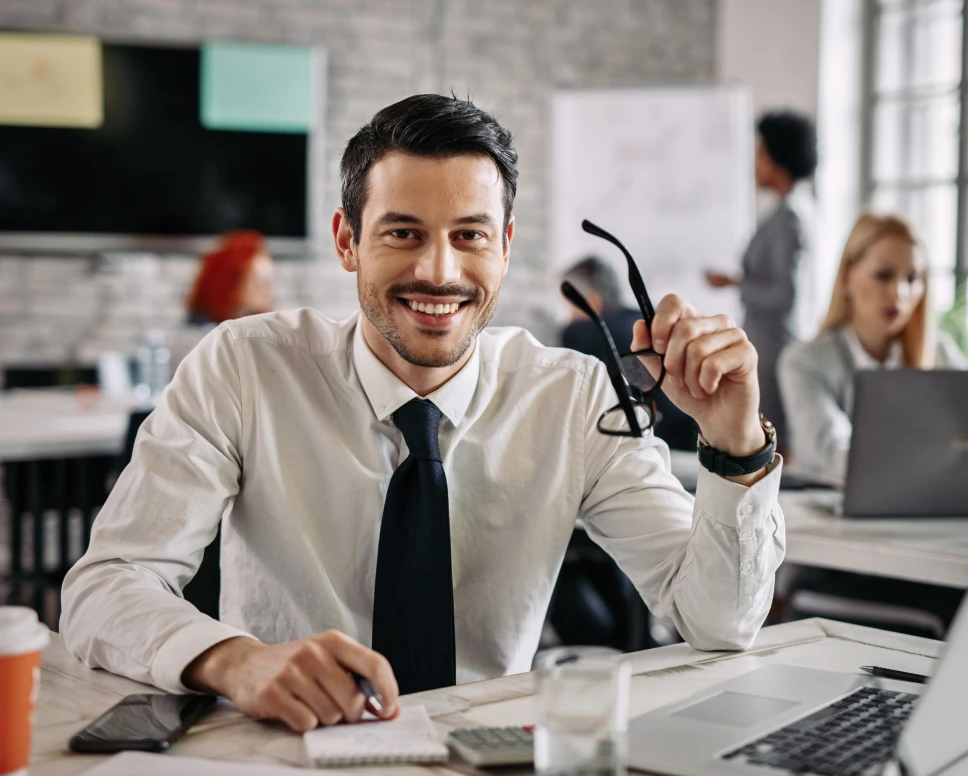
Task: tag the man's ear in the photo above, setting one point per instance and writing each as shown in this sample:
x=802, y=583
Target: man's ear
x=508, y=236
x=343, y=239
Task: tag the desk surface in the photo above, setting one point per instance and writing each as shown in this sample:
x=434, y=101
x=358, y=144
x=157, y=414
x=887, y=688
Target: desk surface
x=71, y=695
x=54, y=423
x=928, y=550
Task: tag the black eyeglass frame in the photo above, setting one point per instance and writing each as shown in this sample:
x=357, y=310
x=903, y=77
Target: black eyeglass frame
x=629, y=395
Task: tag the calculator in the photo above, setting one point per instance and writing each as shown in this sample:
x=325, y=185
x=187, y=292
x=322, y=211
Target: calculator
x=494, y=745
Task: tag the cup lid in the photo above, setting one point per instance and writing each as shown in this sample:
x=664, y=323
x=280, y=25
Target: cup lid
x=20, y=630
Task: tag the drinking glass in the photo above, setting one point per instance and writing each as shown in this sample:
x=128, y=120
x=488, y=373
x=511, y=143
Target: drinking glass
x=583, y=708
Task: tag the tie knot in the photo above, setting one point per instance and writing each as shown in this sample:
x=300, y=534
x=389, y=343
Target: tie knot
x=419, y=422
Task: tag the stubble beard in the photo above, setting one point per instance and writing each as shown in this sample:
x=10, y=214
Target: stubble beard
x=378, y=309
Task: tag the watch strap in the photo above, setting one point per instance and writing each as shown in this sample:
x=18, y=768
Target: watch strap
x=726, y=465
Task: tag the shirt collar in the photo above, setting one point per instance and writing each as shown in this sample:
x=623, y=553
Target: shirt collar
x=864, y=360
x=387, y=393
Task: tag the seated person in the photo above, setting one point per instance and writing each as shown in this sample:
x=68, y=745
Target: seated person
x=600, y=285
x=235, y=279
x=396, y=490
x=879, y=318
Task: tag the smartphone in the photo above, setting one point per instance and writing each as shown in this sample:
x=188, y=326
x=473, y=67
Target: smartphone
x=145, y=722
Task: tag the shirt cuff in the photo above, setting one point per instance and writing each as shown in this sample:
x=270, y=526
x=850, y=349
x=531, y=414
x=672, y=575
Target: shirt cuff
x=735, y=505
x=179, y=650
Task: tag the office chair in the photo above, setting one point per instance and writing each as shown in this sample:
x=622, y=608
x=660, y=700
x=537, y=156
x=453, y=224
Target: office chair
x=204, y=588
x=63, y=494
x=889, y=604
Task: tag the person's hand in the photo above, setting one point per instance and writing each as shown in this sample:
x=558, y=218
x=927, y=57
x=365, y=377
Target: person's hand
x=304, y=683
x=719, y=280
x=710, y=373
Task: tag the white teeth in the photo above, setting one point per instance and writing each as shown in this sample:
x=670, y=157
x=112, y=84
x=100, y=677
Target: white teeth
x=431, y=309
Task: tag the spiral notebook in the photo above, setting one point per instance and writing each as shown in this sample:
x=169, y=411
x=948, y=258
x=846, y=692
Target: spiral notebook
x=410, y=738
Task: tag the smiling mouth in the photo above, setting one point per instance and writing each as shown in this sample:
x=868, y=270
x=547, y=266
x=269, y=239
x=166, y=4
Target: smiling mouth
x=434, y=309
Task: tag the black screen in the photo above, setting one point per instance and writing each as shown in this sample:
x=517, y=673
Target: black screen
x=151, y=168
x=142, y=718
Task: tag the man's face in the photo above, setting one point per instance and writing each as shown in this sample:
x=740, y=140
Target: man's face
x=431, y=253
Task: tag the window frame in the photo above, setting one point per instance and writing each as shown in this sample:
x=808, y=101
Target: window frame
x=908, y=95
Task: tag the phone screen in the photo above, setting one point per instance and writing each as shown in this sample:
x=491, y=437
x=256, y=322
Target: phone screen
x=142, y=722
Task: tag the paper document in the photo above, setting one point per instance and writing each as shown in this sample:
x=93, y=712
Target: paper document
x=146, y=764
x=410, y=738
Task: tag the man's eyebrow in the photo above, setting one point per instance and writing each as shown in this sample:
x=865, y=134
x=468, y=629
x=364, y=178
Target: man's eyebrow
x=392, y=217
x=482, y=219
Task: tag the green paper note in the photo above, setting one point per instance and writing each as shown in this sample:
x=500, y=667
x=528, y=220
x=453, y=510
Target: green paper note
x=255, y=87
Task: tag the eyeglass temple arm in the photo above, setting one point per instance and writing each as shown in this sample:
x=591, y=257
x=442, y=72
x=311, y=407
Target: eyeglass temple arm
x=635, y=277
x=612, y=364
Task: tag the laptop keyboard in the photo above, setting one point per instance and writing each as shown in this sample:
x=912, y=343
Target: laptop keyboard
x=854, y=735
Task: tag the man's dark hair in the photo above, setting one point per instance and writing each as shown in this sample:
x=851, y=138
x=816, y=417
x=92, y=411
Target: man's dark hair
x=430, y=125
x=594, y=274
x=791, y=142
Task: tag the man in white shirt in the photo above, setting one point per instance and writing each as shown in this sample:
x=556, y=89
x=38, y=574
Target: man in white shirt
x=289, y=428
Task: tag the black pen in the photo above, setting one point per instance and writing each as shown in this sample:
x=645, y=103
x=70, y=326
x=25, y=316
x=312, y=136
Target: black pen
x=890, y=673
x=367, y=689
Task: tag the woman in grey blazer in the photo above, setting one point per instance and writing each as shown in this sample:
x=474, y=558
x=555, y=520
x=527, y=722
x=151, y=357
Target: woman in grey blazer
x=879, y=318
x=786, y=153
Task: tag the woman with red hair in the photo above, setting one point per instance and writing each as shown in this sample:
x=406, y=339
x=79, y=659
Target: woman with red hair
x=235, y=279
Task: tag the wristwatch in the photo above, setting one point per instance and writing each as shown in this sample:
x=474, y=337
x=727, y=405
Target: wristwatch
x=726, y=465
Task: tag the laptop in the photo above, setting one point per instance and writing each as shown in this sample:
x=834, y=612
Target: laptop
x=909, y=445
x=788, y=719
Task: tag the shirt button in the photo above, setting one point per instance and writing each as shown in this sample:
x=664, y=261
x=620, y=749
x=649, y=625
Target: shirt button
x=745, y=568
x=747, y=509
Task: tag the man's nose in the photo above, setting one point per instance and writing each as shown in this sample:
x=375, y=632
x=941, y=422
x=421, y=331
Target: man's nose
x=438, y=264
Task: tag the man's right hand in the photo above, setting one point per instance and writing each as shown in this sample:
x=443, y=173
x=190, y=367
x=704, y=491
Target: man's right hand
x=304, y=683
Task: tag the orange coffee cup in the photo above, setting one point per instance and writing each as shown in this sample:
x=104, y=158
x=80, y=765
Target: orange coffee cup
x=22, y=638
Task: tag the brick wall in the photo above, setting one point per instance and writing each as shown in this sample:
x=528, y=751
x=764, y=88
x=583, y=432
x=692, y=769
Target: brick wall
x=509, y=55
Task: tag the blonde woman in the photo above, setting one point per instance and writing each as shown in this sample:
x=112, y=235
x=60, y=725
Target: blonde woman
x=879, y=318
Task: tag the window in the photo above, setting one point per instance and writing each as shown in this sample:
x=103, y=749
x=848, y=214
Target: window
x=915, y=158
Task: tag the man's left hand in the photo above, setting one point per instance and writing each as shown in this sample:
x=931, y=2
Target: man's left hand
x=710, y=373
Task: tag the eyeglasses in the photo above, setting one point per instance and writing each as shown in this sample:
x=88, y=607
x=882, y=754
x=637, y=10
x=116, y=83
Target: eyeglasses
x=637, y=376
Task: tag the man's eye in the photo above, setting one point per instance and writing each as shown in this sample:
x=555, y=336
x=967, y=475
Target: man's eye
x=470, y=235
x=402, y=234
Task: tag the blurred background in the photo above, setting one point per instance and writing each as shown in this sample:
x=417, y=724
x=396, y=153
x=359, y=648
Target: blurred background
x=158, y=154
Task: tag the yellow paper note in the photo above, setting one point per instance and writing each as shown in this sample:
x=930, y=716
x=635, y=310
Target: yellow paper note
x=50, y=80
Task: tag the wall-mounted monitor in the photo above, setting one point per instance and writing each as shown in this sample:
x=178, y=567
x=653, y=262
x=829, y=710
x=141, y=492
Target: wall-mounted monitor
x=151, y=176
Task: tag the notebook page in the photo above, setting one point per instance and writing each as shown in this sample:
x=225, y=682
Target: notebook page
x=411, y=737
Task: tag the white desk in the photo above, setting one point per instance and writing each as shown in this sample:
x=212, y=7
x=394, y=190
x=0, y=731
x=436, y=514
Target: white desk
x=71, y=695
x=59, y=423
x=934, y=551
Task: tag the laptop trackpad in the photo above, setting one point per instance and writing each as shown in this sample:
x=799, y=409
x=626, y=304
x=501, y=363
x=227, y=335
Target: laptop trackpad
x=738, y=709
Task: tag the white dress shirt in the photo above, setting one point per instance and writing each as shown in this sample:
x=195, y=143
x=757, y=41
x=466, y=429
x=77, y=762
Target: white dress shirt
x=281, y=426
x=864, y=360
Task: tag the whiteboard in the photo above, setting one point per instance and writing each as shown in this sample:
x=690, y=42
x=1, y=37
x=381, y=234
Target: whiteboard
x=669, y=171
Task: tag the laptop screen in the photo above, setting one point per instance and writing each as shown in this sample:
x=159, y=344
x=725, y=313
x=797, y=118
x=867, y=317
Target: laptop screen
x=934, y=737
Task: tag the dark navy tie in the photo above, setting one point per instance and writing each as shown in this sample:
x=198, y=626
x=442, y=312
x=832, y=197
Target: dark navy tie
x=413, y=604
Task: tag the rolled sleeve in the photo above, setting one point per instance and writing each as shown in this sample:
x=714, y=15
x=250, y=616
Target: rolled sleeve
x=708, y=563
